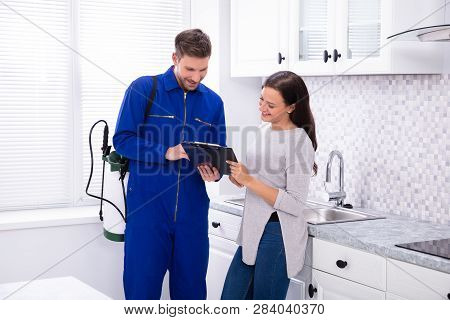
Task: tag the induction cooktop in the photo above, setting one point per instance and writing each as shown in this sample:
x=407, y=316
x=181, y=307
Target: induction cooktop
x=439, y=248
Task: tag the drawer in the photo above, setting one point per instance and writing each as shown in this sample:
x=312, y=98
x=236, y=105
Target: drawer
x=222, y=224
x=349, y=263
x=329, y=287
x=410, y=281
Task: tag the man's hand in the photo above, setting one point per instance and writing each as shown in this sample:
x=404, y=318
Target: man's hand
x=208, y=173
x=176, y=153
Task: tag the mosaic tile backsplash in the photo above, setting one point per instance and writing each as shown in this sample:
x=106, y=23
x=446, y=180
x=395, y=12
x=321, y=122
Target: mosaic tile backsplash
x=394, y=134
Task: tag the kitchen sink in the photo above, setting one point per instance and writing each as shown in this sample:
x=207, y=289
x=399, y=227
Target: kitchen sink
x=320, y=214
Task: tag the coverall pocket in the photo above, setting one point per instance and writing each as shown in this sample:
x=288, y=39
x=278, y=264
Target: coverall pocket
x=203, y=129
x=159, y=128
x=203, y=121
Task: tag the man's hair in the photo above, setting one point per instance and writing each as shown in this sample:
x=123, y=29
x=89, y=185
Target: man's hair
x=193, y=43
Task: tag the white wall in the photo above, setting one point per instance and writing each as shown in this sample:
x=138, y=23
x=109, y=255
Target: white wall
x=78, y=250
x=447, y=44
x=240, y=95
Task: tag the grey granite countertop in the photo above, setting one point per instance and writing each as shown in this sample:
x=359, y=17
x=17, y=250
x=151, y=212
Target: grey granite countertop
x=375, y=236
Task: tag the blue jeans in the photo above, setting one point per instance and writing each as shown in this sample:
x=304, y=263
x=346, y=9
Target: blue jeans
x=267, y=279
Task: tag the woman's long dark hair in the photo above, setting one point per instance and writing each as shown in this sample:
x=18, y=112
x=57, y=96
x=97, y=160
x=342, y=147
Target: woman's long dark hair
x=294, y=91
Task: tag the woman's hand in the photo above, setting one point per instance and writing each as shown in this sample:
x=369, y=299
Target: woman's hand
x=208, y=173
x=237, y=184
x=239, y=173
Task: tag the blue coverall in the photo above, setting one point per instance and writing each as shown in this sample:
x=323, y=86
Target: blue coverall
x=167, y=222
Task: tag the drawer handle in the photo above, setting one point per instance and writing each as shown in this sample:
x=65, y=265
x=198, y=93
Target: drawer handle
x=215, y=224
x=341, y=264
x=311, y=290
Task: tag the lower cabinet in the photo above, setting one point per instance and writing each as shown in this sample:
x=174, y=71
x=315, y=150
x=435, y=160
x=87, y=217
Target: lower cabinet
x=221, y=253
x=298, y=285
x=331, y=271
x=325, y=286
x=409, y=281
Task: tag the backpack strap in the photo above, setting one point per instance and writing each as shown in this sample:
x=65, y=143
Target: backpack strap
x=150, y=100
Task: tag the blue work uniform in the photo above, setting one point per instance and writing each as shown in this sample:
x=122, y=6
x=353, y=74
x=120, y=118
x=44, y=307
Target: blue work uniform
x=167, y=202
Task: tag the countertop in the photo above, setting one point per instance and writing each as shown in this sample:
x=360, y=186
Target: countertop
x=375, y=236
x=63, y=288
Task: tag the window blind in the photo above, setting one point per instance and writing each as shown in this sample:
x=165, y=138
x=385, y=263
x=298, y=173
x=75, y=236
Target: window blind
x=50, y=96
x=35, y=117
x=128, y=41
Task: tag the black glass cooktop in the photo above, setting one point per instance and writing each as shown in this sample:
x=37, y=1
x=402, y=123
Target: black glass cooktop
x=439, y=248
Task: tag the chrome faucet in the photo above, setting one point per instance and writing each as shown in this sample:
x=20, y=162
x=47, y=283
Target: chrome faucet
x=338, y=196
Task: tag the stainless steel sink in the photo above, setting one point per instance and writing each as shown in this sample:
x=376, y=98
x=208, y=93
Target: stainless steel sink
x=319, y=214
x=335, y=215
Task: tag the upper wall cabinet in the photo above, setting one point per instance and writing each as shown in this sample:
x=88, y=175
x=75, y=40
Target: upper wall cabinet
x=331, y=37
x=311, y=36
x=259, y=37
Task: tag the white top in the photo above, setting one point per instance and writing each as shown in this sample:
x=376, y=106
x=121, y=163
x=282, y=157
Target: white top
x=282, y=159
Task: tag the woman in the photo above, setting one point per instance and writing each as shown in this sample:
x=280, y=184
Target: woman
x=273, y=232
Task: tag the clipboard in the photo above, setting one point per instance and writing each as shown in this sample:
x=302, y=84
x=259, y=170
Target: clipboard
x=212, y=154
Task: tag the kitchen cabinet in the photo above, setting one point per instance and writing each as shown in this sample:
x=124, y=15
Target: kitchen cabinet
x=223, y=232
x=348, y=263
x=340, y=272
x=298, y=287
x=311, y=35
x=259, y=31
x=326, y=286
x=331, y=270
x=362, y=28
x=409, y=281
x=221, y=254
x=333, y=37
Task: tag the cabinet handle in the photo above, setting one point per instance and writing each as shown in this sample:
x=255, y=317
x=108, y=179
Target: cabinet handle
x=341, y=264
x=215, y=224
x=326, y=56
x=280, y=58
x=448, y=296
x=311, y=290
x=336, y=55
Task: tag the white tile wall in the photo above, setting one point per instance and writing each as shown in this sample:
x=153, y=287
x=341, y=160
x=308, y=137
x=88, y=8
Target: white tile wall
x=394, y=133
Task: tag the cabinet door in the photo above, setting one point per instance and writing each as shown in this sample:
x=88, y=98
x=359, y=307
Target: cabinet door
x=221, y=253
x=329, y=287
x=311, y=33
x=298, y=285
x=361, y=31
x=410, y=281
x=259, y=32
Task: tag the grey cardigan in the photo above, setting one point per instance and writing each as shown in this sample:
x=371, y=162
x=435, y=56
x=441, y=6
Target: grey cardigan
x=282, y=159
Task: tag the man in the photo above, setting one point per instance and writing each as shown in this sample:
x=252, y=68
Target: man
x=167, y=223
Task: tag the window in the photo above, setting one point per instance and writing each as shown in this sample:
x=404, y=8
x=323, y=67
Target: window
x=64, y=65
